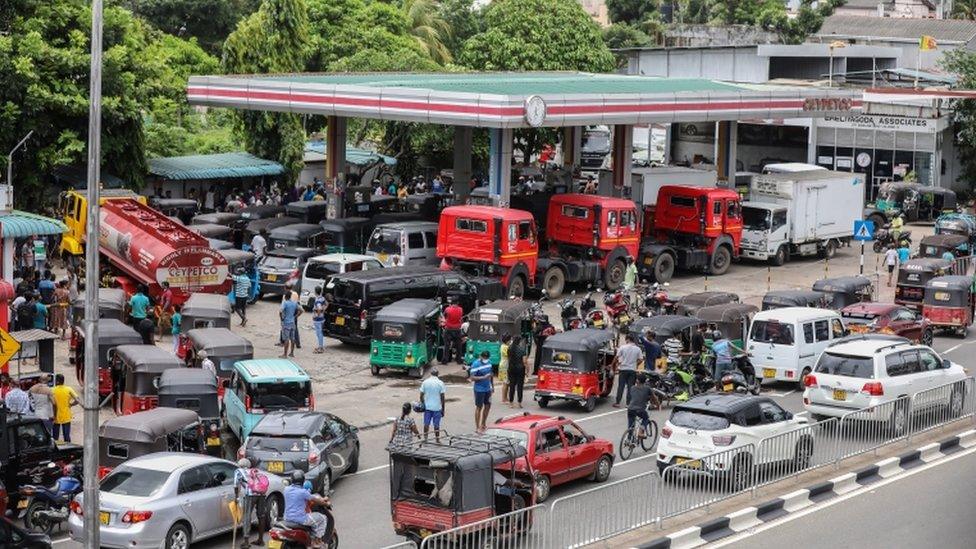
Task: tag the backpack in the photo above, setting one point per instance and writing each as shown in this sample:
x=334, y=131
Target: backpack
x=257, y=482
x=25, y=315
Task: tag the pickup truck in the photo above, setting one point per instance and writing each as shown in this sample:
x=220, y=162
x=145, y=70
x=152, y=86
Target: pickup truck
x=26, y=452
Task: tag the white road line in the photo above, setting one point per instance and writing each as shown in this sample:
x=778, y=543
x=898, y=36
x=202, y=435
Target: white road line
x=61, y=540
x=781, y=395
x=800, y=414
x=370, y=470
x=839, y=499
x=604, y=414
x=954, y=347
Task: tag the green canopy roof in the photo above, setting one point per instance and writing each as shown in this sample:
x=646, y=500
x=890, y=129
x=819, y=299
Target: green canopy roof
x=18, y=224
x=213, y=166
x=354, y=155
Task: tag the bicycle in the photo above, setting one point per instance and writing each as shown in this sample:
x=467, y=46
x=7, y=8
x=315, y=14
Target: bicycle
x=632, y=438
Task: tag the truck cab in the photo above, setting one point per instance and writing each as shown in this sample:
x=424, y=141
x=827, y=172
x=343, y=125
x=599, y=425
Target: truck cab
x=26, y=449
x=73, y=209
x=490, y=241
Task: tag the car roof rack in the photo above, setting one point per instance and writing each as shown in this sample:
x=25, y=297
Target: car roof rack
x=893, y=339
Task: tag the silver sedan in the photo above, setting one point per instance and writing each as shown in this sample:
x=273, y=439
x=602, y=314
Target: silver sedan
x=168, y=500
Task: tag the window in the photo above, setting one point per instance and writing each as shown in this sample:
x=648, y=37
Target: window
x=752, y=416
x=928, y=361
x=846, y=365
x=895, y=365
x=808, y=332
x=717, y=209
x=779, y=219
x=911, y=362
x=133, y=481
x=837, y=328
x=733, y=210
x=193, y=479
x=33, y=435
x=549, y=441
x=512, y=232
x=576, y=211
x=431, y=238
x=574, y=435
x=628, y=219
x=821, y=330
x=770, y=331
x=525, y=231
x=903, y=315
x=415, y=241
x=771, y=413
x=471, y=225
x=682, y=201
x=612, y=218
x=118, y=450
x=332, y=427
x=222, y=471
x=700, y=420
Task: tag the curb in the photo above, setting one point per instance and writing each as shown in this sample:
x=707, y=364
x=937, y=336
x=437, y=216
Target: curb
x=749, y=517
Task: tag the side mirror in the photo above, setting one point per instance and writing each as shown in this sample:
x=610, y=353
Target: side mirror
x=946, y=363
x=590, y=438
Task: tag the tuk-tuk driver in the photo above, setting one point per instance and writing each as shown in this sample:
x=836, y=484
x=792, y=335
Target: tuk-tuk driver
x=723, y=348
x=896, y=226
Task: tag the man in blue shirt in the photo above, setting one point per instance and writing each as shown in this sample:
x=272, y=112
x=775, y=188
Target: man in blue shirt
x=432, y=394
x=138, y=306
x=904, y=253
x=723, y=349
x=290, y=312
x=481, y=372
x=297, y=500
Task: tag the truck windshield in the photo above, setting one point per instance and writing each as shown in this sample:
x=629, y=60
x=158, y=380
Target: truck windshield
x=596, y=142
x=385, y=241
x=756, y=219
x=770, y=331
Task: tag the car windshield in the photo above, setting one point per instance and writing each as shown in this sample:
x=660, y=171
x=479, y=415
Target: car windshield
x=756, y=219
x=699, y=420
x=771, y=331
x=385, y=241
x=519, y=437
x=846, y=365
x=279, y=444
x=286, y=394
x=133, y=481
x=322, y=270
x=279, y=262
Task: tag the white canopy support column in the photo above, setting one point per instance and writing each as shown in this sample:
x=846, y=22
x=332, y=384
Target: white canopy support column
x=623, y=152
x=500, y=166
x=463, y=140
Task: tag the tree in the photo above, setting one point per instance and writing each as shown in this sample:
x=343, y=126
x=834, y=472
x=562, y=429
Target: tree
x=630, y=11
x=428, y=28
x=275, y=39
x=808, y=20
x=623, y=35
x=209, y=21
x=962, y=63
x=464, y=20
x=964, y=9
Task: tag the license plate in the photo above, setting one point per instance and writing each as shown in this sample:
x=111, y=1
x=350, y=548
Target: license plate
x=213, y=441
x=597, y=323
x=688, y=463
x=340, y=321
x=727, y=387
x=22, y=504
x=769, y=372
x=103, y=517
x=577, y=390
x=276, y=467
x=274, y=544
x=840, y=394
x=648, y=260
x=272, y=278
x=409, y=360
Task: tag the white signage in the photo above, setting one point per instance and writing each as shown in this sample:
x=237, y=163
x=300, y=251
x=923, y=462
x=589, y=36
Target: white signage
x=879, y=122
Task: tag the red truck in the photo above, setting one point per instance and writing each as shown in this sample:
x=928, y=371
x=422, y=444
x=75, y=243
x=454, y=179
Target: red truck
x=588, y=238
x=149, y=248
x=490, y=241
x=694, y=228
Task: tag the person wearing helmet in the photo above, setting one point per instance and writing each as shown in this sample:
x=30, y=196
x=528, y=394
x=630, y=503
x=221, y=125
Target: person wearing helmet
x=723, y=349
x=298, y=498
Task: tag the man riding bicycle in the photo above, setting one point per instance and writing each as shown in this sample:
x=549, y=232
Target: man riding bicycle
x=638, y=401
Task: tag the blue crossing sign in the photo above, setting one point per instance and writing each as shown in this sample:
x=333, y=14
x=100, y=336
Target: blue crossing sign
x=863, y=230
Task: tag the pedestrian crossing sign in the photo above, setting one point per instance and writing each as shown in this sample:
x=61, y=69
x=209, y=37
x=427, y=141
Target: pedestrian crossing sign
x=863, y=230
x=8, y=346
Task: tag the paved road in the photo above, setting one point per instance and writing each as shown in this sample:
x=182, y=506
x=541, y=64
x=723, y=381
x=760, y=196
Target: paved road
x=933, y=507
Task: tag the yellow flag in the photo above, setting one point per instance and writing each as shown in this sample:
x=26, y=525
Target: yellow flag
x=927, y=43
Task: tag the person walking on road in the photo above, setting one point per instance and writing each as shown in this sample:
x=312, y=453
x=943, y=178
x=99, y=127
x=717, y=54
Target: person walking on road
x=503, y=365
x=290, y=311
x=517, y=365
x=890, y=261
x=206, y=363
x=630, y=274
x=453, y=318
x=625, y=363
x=481, y=372
x=259, y=244
x=40, y=393
x=404, y=428
x=247, y=489
x=64, y=398
x=432, y=395
x=242, y=290
x=318, y=319
x=138, y=306
x=175, y=323
x=16, y=399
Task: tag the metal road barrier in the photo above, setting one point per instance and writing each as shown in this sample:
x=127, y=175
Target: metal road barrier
x=793, y=452
x=696, y=483
x=963, y=265
x=522, y=529
x=402, y=545
x=866, y=430
x=939, y=406
x=624, y=505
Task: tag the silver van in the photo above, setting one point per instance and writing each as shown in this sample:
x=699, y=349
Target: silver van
x=406, y=243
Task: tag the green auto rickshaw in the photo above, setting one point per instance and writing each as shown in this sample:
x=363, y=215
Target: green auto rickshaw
x=490, y=322
x=406, y=336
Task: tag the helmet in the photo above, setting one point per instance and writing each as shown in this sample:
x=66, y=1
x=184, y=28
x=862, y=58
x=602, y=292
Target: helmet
x=244, y=463
x=717, y=335
x=418, y=407
x=297, y=477
x=202, y=354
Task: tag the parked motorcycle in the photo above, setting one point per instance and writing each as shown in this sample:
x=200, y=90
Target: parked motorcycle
x=291, y=535
x=617, y=305
x=883, y=237
x=657, y=301
x=44, y=508
x=741, y=378
x=569, y=313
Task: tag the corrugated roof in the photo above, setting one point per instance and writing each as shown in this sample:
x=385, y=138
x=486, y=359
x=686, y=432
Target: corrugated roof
x=946, y=30
x=23, y=336
x=18, y=224
x=213, y=166
x=354, y=155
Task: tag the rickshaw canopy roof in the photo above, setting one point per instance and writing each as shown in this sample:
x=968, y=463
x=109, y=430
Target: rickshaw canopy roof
x=926, y=264
x=170, y=203
x=219, y=341
x=950, y=282
x=345, y=224
x=216, y=218
x=206, y=305
x=409, y=310
x=235, y=256
x=108, y=298
x=944, y=240
x=798, y=298
x=147, y=426
x=474, y=451
x=702, y=299
x=583, y=339
x=147, y=358
x=261, y=212
x=270, y=223
x=506, y=310
x=112, y=330
x=187, y=381
x=303, y=206
x=726, y=312
x=842, y=284
x=296, y=230
x=664, y=325
x=963, y=221
x=210, y=230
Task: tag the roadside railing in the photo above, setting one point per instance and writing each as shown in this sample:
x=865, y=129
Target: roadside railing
x=522, y=529
x=963, y=265
x=608, y=520
x=939, y=406
x=803, y=449
x=692, y=484
x=866, y=430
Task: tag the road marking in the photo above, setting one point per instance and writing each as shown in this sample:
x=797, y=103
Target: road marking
x=954, y=347
x=800, y=414
x=604, y=414
x=370, y=470
x=839, y=499
x=60, y=540
x=780, y=395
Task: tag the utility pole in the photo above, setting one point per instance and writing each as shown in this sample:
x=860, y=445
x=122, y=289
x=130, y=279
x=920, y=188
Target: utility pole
x=10, y=159
x=90, y=397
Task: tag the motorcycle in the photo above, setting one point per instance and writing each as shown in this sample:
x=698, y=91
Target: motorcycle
x=657, y=301
x=593, y=317
x=570, y=314
x=617, y=305
x=741, y=378
x=290, y=535
x=43, y=507
x=883, y=237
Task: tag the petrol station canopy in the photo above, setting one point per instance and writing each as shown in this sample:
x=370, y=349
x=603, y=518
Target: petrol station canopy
x=518, y=100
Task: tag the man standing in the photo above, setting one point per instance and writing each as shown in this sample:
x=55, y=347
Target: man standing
x=481, y=373
x=652, y=349
x=17, y=400
x=206, y=363
x=165, y=307
x=904, y=253
x=630, y=274
x=246, y=489
x=453, y=317
x=432, y=392
x=40, y=393
x=290, y=311
x=259, y=243
x=138, y=306
x=242, y=290
x=64, y=398
x=890, y=260
x=147, y=329
x=40, y=252
x=722, y=348
x=517, y=363
x=628, y=355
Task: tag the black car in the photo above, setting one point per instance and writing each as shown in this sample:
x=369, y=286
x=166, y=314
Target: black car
x=281, y=267
x=321, y=445
x=15, y=537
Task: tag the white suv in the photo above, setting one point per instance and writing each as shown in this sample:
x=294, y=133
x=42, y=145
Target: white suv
x=864, y=371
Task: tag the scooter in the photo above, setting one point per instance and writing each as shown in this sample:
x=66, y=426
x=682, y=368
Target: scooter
x=45, y=508
x=617, y=305
x=883, y=237
x=570, y=314
x=741, y=378
x=290, y=535
x=657, y=301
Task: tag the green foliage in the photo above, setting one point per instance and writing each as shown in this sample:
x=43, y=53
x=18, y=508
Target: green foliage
x=630, y=11
x=428, y=28
x=962, y=63
x=209, y=21
x=807, y=21
x=275, y=39
x=625, y=35
x=964, y=9
x=463, y=19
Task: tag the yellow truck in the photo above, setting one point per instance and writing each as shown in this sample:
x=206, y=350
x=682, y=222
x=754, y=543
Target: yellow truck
x=73, y=208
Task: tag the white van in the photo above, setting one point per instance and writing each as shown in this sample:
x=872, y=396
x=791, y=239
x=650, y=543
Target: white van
x=321, y=268
x=405, y=243
x=785, y=343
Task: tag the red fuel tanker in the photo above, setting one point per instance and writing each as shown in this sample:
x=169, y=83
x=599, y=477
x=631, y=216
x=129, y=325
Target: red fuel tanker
x=150, y=248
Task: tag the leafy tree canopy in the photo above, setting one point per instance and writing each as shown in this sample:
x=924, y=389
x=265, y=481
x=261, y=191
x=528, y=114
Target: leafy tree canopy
x=963, y=64
x=630, y=11
x=209, y=21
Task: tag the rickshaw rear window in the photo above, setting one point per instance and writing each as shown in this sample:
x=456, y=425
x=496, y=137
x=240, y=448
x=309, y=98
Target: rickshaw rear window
x=118, y=450
x=188, y=403
x=766, y=331
x=291, y=394
x=279, y=444
x=487, y=329
x=133, y=481
x=322, y=269
x=279, y=262
x=519, y=437
x=699, y=420
x=393, y=330
x=561, y=358
x=384, y=241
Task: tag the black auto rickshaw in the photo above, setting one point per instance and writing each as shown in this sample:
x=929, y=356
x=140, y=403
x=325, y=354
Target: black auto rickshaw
x=181, y=208
x=357, y=200
x=222, y=346
x=239, y=259
x=111, y=304
x=267, y=224
x=915, y=202
x=428, y=205
x=203, y=311
x=406, y=336
x=841, y=291
x=299, y=235
x=948, y=303
x=777, y=299
x=111, y=334
x=347, y=235
x=158, y=430
x=489, y=323
x=689, y=304
x=196, y=390
x=479, y=197
x=307, y=211
x=215, y=218
x=576, y=365
x=732, y=319
x=138, y=368
x=914, y=274
x=253, y=213
x=438, y=486
x=212, y=230
x=937, y=245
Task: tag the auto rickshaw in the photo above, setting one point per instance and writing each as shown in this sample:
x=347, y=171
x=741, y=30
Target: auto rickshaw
x=158, y=430
x=223, y=348
x=438, y=486
x=948, y=303
x=203, y=311
x=357, y=200
x=212, y=230
x=732, y=319
x=347, y=235
x=253, y=213
x=268, y=224
x=576, y=365
x=307, y=211
x=915, y=202
x=299, y=235
x=665, y=326
x=111, y=334
x=488, y=323
x=181, y=208
x=689, y=304
x=428, y=205
x=957, y=223
x=778, y=299
x=239, y=258
x=914, y=274
x=406, y=336
x=111, y=304
x=196, y=390
x=841, y=291
x=936, y=245
x=138, y=369
x=215, y=218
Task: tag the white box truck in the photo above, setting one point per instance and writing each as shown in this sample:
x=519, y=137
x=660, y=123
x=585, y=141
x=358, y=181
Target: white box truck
x=646, y=182
x=800, y=213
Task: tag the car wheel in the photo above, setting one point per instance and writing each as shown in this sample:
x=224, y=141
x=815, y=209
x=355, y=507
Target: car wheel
x=720, y=262
x=543, y=486
x=898, y=422
x=543, y=402
x=275, y=509
x=927, y=337
x=326, y=484
x=614, y=276
x=554, y=282
x=589, y=404
x=780, y=258
x=375, y=370
x=353, y=462
x=603, y=467
x=178, y=537
x=957, y=402
x=803, y=374
x=802, y=454
x=663, y=268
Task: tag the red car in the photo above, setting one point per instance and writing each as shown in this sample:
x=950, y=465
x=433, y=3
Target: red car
x=887, y=318
x=559, y=450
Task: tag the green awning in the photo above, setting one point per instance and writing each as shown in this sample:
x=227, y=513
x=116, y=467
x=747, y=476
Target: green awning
x=213, y=166
x=354, y=155
x=18, y=224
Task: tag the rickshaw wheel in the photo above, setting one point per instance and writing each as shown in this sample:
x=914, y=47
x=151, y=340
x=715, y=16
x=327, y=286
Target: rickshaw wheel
x=589, y=404
x=543, y=402
x=375, y=370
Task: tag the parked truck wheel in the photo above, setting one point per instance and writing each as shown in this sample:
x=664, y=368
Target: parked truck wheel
x=554, y=282
x=614, y=275
x=721, y=260
x=663, y=268
x=516, y=287
x=781, y=256
x=829, y=249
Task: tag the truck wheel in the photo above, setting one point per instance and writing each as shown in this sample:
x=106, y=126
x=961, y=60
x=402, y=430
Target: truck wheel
x=663, y=268
x=553, y=282
x=721, y=260
x=516, y=287
x=781, y=256
x=829, y=249
x=614, y=276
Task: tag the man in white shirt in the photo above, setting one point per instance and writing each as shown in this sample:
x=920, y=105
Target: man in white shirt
x=259, y=243
x=206, y=363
